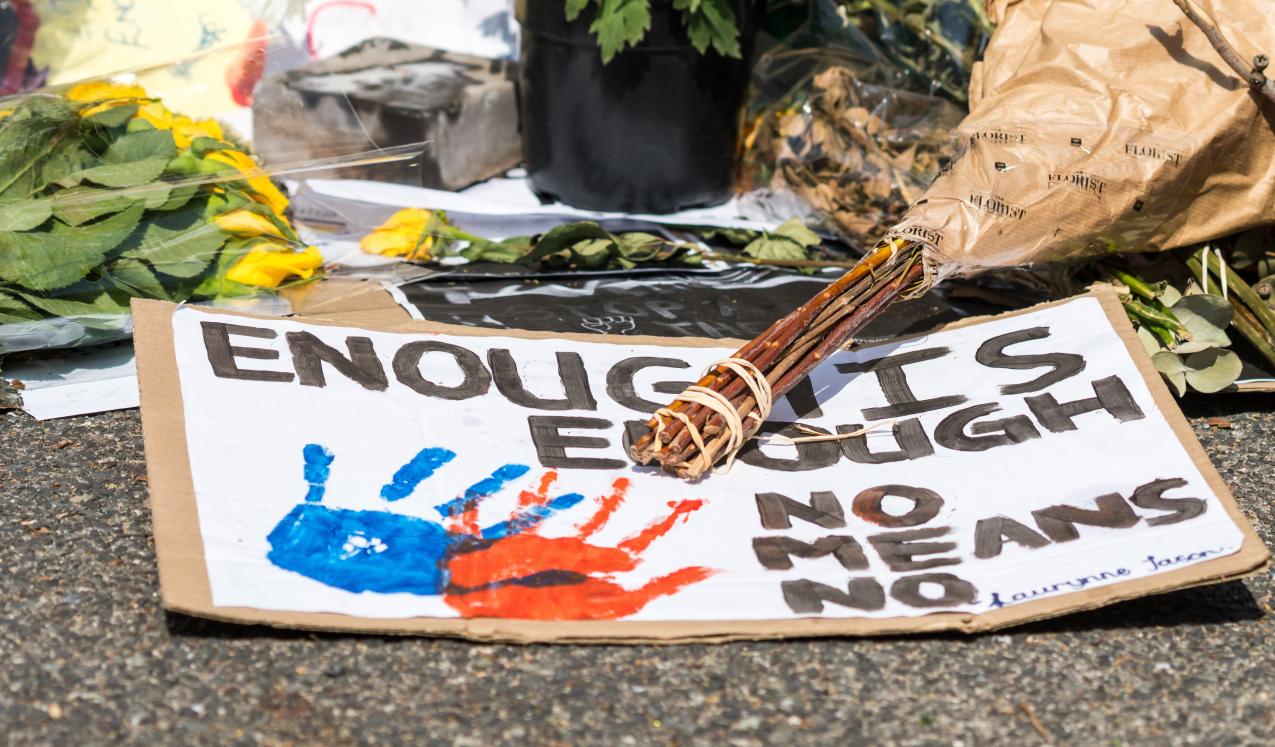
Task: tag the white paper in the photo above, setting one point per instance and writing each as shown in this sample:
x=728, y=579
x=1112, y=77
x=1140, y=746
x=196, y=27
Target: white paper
x=246, y=440
x=77, y=382
x=512, y=199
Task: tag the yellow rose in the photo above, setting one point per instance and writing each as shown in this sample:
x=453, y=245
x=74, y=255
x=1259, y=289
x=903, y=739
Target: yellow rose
x=246, y=224
x=266, y=266
x=107, y=95
x=264, y=190
x=405, y=234
x=157, y=114
x=185, y=129
x=101, y=91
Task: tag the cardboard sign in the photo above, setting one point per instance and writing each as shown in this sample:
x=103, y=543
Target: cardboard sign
x=446, y=480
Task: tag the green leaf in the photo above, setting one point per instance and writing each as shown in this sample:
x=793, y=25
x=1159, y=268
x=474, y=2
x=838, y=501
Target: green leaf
x=1149, y=341
x=98, y=311
x=63, y=254
x=565, y=236
x=113, y=117
x=134, y=278
x=1172, y=369
x=620, y=23
x=180, y=243
x=13, y=309
x=202, y=145
x=119, y=175
x=177, y=197
x=79, y=205
x=796, y=230
x=1212, y=370
x=775, y=247
x=711, y=23
x=575, y=8
x=734, y=236
x=133, y=160
x=1206, y=318
x=66, y=158
x=142, y=146
x=507, y=251
x=215, y=284
x=23, y=216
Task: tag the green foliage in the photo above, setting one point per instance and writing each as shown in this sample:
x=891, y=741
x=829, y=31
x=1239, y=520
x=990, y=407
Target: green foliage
x=586, y=245
x=625, y=23
x=1185, y=335
x=89, y=220
x=790, y=241
x=62, y=254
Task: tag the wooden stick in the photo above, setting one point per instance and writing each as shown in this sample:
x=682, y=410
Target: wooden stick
x=1255, y=76
x=785, y=353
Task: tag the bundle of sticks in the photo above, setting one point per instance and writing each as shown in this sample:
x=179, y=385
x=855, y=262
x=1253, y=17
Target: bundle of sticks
x=711, y=420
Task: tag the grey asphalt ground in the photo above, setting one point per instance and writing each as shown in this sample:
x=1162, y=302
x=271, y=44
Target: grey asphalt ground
x=89, y=657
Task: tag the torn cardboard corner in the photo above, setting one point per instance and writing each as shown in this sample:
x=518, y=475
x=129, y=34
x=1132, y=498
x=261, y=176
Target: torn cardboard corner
x=423, y=479
x=1102, y=126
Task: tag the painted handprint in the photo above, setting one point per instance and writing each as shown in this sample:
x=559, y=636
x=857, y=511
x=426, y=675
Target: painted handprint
x=503, y=570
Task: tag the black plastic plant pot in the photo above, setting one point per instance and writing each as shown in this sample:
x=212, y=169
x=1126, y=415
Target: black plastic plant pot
x=655, y=130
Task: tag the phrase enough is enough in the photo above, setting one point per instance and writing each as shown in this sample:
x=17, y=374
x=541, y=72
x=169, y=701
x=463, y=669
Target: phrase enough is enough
x=460, y=373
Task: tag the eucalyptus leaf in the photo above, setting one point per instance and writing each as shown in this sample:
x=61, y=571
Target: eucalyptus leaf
x=1206, y=317
x=1149, y=341
x=1212, y=370
x=1172, y=369
x=63, y=254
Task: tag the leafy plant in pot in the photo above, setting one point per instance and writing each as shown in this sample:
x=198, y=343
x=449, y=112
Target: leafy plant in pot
x=634, y=105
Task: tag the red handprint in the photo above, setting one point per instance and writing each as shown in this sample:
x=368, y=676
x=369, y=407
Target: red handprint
x=530, y=576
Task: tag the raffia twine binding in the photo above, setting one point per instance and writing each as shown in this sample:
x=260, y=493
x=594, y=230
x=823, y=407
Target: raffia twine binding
x=737, y=433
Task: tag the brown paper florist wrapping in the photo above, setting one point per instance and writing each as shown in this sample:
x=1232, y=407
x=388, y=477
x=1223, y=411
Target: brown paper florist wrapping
x=1103, y=126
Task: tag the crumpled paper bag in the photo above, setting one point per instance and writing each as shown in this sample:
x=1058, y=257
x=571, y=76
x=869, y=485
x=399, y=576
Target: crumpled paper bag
x=1100, y=126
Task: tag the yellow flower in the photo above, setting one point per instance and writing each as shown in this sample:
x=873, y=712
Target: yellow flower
x=185, y=129
x=101, y=91
x=245, y=223
x=266, y=265
x=405, y=234
x=157, y=114
x=107, y=95
x=5, y=112
x=264, y=190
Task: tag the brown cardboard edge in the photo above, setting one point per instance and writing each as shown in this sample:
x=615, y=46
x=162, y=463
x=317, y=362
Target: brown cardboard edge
x=185, y=587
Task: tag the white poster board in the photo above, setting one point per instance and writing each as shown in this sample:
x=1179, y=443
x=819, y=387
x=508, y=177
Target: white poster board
x=346, y=477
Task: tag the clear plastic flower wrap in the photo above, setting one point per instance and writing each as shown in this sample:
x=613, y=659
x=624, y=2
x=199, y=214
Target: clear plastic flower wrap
x=106, y=195
x=852, y=117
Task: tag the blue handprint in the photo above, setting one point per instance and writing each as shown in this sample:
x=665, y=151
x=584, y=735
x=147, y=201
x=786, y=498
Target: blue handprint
x=387, y=552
